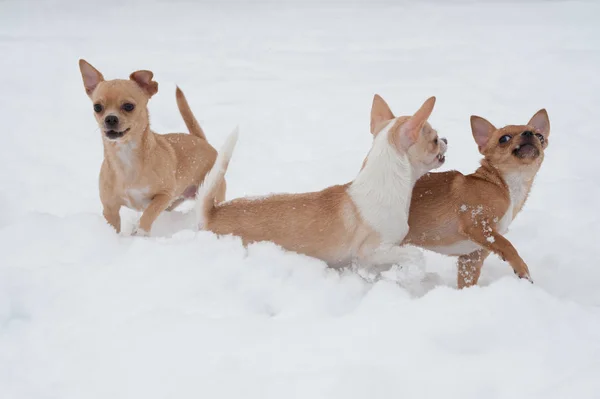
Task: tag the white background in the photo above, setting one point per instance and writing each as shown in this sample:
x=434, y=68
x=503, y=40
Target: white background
x=85, y=313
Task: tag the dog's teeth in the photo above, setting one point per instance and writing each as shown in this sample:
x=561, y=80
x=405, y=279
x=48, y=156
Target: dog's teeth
x=518, y=147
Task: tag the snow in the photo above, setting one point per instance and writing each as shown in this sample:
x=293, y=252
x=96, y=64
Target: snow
x=85, y=313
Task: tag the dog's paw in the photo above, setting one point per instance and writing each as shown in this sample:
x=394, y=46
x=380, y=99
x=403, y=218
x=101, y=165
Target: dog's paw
x=525, y=276
x=139, y=232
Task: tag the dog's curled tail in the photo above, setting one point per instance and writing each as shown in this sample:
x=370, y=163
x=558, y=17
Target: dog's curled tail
x=187, y=115
x=207, y=192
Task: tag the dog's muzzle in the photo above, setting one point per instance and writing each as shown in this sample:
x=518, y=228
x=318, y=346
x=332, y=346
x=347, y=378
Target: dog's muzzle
x=113, y=134
x=527, y=147
x=441, y=157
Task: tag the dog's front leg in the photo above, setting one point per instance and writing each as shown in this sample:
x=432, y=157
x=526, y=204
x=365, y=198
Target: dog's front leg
x=112, y=216
x=159, y=203
x=469, y=267
x=496, y=243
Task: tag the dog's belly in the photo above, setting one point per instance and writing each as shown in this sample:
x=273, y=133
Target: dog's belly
x=458, y=248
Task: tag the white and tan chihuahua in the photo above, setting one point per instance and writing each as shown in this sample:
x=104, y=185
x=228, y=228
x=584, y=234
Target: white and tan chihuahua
x=363, y=221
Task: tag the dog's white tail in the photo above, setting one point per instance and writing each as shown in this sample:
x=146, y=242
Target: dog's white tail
x=206, y=196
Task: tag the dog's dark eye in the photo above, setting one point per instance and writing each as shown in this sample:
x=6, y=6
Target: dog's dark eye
x=98, y=108
x=128, y=107
x=540, y=138
x=435, y=141
x=505, y=139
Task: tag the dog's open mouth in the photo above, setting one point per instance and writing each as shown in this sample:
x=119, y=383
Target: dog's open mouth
x=113, y=134
x=441, y=157
x=526, y=151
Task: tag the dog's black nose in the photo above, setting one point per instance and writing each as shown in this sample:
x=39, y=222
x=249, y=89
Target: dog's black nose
x=445, y=140
x=527, y=133
x=111, y=121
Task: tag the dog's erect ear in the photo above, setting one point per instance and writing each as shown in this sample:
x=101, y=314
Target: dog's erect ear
x=380, y=112
x=144, y=80
x=482, y=131
x=91, y=76
x=540, y=122
x=405, y=134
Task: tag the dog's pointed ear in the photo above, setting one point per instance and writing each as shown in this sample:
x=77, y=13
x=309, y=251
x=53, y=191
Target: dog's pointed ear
x=380, y=112
x=406, y=133
x=482, y=131
x=540, y=122
x=144, y=80
x=91, y=76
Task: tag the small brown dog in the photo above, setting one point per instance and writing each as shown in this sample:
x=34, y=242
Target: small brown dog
x=143, y=170
x=466, y=216
x=364, y=220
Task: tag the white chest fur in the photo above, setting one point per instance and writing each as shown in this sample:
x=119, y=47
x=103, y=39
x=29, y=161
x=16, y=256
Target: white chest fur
x=125, y=153
x=382, y=190
x=518, y=186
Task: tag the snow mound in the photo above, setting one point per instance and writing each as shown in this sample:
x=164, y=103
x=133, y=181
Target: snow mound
x=86, y=313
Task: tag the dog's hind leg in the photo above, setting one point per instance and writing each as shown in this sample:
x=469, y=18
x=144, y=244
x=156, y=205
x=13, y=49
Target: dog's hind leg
x=469, y=267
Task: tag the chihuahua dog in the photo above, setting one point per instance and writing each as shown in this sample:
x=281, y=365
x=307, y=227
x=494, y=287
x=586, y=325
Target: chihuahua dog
x=143, y=170
x=466, y=216
x=363, y=221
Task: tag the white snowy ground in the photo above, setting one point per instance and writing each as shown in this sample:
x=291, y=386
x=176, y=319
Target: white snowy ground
x=85, y=313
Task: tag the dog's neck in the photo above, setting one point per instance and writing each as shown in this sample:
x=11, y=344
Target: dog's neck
x=124, y=157
x=518, y=182
x=487, y=171
x=382, y=190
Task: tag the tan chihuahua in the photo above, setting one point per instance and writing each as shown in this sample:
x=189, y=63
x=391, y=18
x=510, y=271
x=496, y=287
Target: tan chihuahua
x=143, y=170
x=363, y=221
x=466, y=216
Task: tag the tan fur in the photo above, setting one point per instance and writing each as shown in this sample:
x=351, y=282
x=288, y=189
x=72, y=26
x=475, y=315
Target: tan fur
x=188, y=117
x=324, y=224
x=143, y=170
x=450, y=208
x=327, y=224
